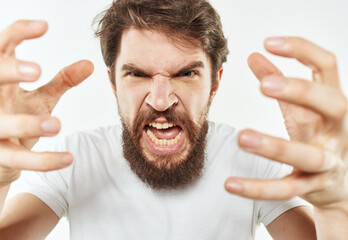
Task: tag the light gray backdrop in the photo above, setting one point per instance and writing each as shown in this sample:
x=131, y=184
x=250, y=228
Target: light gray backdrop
x=239, y=103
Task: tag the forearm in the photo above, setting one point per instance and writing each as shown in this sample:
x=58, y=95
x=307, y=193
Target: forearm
x=3, y=195
x=332, y=223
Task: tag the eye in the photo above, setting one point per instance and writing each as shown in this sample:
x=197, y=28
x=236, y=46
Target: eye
x=189, y=73
x=136, y=74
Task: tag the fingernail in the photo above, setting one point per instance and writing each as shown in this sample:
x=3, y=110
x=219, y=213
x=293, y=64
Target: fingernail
x=273, y=84
x=235, y=187
x=274, y=42
x=37, y=24
x=50, y=126
x=28, y=69
x=250, y=140
x=67, y=159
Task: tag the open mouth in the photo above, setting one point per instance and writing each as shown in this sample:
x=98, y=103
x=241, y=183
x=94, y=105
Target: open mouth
x=164, y=137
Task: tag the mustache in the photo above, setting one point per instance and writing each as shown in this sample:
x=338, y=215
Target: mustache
x=171, y=115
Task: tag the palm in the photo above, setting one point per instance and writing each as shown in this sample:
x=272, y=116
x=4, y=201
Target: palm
x=30, y=102
x=301, y=124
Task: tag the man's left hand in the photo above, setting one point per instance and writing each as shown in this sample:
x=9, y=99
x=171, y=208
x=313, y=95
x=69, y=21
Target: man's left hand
x=315, y=114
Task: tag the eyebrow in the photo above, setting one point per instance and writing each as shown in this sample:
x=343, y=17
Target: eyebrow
x=130, y=67
x=198, y=64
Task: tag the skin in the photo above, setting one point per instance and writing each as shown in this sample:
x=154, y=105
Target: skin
x=318, y=153
x=24, y=117
x=161, y=76
x=315, y=115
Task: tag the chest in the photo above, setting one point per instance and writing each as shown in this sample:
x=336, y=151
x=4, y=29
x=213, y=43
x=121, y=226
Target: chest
x=127, y=211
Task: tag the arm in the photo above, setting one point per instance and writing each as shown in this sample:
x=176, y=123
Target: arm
x=296, y=223
x=26, y=217
x=24, y=117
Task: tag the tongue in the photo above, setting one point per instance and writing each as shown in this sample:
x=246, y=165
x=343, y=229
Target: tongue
x=168, y=134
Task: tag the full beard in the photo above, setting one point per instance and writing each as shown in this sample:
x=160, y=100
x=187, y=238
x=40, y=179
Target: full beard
x=166, y=172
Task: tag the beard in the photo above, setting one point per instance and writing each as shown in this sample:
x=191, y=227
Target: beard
x=171, y=171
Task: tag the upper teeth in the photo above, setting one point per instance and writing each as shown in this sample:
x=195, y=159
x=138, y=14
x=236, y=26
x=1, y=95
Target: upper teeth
x=161, y=125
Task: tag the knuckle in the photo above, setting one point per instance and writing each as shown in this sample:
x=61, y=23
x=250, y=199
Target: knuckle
x=325, y=183
x=292, y=190
x=257, y=192
x=22, y=128
x=329, y=60
x=67, y=77
x=43, y=163
x=47, y=162
x=300, y=89
x=44, y=166
x=17, y=25
x=320, y=163
x=341, y=106
x=277, y=150
x=296, y=41
x=13, y=161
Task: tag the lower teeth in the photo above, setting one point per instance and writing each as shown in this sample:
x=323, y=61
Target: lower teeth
x=163, y=142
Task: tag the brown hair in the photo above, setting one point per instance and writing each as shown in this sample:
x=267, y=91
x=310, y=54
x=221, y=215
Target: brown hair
x=188, y=20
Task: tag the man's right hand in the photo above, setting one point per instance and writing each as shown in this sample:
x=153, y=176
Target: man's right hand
x=25, y=115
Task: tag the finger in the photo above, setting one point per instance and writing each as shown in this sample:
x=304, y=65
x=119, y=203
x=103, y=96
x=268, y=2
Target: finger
x=19, y=31
x=327, y=101
x=15, y=157
x=261, y=66
x=320, y=60
x=15, y=71
x=274, y=189
x=301, y=156
x=28, y=126
x=67, y=78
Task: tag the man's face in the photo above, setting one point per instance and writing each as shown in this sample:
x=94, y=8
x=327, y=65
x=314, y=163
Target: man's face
x=163, y=91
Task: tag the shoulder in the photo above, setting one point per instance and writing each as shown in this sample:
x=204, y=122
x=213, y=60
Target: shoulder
x=100, y=144
x=216, y=128
x=96, y=137
x=219, y=133
x=222, y=146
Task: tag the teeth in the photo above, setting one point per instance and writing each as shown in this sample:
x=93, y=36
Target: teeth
x=165, y=125
x=163, y=142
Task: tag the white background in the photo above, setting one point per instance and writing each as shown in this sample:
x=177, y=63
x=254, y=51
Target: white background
x=239, y=103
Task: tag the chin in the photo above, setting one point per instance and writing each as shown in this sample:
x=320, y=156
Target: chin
x=166, y=161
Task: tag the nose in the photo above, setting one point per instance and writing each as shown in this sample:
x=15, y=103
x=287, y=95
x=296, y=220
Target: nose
x=161, y=96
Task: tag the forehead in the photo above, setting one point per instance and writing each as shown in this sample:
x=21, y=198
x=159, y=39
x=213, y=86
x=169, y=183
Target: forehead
x=156, y=51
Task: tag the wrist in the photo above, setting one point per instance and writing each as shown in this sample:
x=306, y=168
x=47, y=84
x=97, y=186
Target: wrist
x=7, y=176
x=331, y=222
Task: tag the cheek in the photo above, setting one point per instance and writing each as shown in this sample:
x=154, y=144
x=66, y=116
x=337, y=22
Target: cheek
x=130, y=99
x=194, y=100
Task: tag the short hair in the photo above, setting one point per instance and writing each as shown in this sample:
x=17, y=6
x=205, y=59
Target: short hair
x=188, y=20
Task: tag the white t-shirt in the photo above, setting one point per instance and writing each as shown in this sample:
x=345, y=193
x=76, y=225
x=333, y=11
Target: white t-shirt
x=103, y=199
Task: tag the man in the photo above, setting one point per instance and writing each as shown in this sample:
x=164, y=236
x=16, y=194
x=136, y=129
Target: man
x=165, y=61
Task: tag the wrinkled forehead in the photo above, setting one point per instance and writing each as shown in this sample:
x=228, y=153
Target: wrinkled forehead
x=156, y=51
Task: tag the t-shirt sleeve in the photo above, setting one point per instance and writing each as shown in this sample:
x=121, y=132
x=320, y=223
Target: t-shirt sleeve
x=51, y=187
x=267, y=211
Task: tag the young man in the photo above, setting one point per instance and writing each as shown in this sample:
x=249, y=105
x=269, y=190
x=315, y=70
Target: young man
x=159, y=176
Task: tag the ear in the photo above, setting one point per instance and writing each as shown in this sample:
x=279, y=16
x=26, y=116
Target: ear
x=113, y=86
x=217, y=84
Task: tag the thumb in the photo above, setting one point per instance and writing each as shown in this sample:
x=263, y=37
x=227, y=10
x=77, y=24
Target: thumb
x=67, y=78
